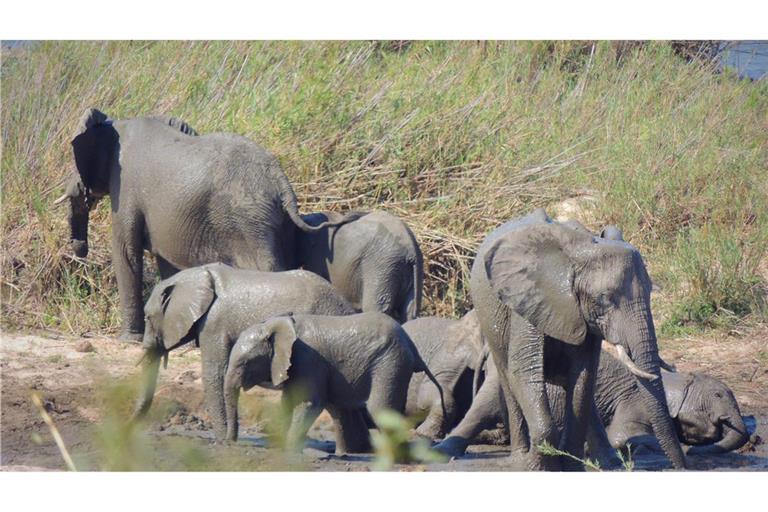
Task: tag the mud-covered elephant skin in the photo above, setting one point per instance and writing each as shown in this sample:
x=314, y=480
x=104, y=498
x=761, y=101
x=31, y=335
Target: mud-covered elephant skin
x=705, y=412
x=453, y=350
x=375, y=261
x=339, y=363
x=212, y=305
x=546, y=296
x=189, y=200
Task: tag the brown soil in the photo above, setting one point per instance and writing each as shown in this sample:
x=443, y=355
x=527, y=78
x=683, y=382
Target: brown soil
x=74, y=377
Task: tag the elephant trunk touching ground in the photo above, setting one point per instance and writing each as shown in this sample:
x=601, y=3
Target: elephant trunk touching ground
x=232, y=384
x=639, y=336
x=735, y=437
x=150, y=368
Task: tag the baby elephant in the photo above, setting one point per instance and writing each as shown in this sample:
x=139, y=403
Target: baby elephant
x=375, y=262
x=336, y=363
x=454, y=351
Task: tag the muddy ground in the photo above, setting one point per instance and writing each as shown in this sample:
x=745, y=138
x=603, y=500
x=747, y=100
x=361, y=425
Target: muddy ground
x=85, y=385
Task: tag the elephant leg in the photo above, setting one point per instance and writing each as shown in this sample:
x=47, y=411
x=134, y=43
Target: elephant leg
x=352, y=435
x=579, y=401
x=304, y=415
x=436, y=423
x=166, y=269
x=389, y=390
x=598, y=443
x=128, y=261
x=380, y=296
x=525, y=374
x=485, y=412
x=215, y=357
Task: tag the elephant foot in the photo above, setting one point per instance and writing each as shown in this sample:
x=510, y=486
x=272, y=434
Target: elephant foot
x=131, y=336
x=452, y=446
x=533, y=461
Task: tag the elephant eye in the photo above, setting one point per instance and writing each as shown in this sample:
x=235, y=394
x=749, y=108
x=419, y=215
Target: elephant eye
x=603, y=300
x=718, y=394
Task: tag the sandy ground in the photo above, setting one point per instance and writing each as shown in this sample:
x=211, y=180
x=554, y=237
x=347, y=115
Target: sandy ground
x=84, y=385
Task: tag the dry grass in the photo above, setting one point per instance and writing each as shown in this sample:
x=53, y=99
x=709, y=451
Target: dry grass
x=453, y=137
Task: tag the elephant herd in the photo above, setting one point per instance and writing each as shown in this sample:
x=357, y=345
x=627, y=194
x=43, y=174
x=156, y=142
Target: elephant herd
x=560, y=347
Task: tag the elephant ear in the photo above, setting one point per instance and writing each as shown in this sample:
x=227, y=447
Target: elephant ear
x=184, y=302
x=86, y=150
x=531, y=273
x=676, y=386
x=283, y=335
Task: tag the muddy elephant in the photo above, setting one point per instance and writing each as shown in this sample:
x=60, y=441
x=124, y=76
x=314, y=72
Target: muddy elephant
x=189, y=200
x=454, y=351
x=212, y=305
x=546, y=296
x=375, y=261
x=349, y=365
x=704, y=410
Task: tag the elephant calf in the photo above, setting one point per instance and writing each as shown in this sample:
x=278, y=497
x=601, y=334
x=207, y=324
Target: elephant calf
x=336, y=363
x=705, y=412
x=374, y=261
x=212, y=305
x=453, y=350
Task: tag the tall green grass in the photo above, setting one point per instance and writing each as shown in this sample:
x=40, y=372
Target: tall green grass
x=455, y=137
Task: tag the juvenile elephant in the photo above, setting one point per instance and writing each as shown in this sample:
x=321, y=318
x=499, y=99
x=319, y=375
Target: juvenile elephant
x=189, y=200
x=705, y=412
x=338, y=363
x=212, y=305
x=546, y=296
x=375, y=261
x=453, y=350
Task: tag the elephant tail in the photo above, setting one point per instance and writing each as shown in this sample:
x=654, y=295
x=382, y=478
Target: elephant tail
x=290, y=205
x=481, y=359
x=413, y=302
x=421, y=366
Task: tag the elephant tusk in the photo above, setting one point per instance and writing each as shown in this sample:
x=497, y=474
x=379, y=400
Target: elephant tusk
x=60, y=200
x=624, y=358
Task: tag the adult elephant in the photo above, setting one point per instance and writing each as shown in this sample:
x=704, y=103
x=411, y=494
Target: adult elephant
x=546, y=296
x=188, y=200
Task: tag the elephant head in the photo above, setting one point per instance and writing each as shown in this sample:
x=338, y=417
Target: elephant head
x=80, y=207
x=706, y=413
x=95, y=147
x=569, y=284
x=172, y=313
x=262, y=354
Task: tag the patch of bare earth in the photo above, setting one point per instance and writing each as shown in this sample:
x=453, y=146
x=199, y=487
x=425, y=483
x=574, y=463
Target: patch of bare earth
x=71, y=374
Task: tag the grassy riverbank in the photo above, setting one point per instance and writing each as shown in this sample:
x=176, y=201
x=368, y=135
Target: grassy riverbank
x=454, y=137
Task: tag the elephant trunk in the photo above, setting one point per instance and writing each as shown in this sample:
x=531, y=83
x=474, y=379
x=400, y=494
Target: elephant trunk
x=78, y=226
x=643, y=350
x=735, y=437
x=149, y=372
x=232, y=384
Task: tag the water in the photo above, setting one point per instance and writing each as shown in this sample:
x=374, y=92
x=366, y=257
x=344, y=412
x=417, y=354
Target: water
x=747, y=58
